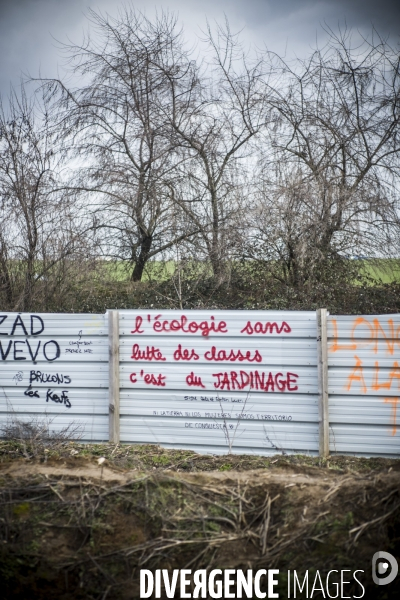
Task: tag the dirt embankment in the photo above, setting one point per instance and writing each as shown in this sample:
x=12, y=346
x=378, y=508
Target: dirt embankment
x=73, y=528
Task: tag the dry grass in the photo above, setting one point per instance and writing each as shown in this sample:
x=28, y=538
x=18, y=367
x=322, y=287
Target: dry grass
x=71, y=528
x=35, y=438
x=145, y=457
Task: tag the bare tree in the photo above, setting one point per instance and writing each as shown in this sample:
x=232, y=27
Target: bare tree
x=39, y=226
x=114, y=123
x=331, y=163
x=215, y=114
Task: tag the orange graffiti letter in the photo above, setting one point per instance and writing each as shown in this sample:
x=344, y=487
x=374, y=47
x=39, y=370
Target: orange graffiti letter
x=394, y=402
x=357, y=377
x=395, y=374
x=360, y=321
x=334, y=347
x=388, y=339
x=379, y=386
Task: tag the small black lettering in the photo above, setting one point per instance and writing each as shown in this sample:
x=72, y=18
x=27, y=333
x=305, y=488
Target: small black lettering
x=49, y=378
x=65, y=399
x=18, y=377
x=50, y=395
x=33, y=376
x=31, y=393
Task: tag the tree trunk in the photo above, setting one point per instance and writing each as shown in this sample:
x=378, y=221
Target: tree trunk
x=27, y=298
x=216, y=253
x=142, y=259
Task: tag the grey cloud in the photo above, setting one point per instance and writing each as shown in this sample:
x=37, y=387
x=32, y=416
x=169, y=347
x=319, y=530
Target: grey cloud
x=27, y=26
x=26, y=30
x=384, y=14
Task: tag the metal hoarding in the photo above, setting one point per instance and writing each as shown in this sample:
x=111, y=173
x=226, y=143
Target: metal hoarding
x=211, y=381
x=53, y=369
x=364, y=384
x=219, y=381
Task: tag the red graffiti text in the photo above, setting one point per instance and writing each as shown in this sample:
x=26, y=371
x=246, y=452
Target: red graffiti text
x=149, y=378
x=151, y=353
x=264, y=328
x=267, y=382
x=185, y=326
x=185, y=354
x=194, y=381
x=232, y=356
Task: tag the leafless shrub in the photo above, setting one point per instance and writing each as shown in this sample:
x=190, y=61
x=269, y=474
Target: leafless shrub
x=328, y=184
x=273, y=444
x=229, y=429
x=45, y=239
x=36, y=437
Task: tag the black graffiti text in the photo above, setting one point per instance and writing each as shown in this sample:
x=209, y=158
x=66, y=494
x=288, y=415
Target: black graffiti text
x=63, y=399
x=31, y=393
x=25, y=349
x=41, y=377
x=18, y=327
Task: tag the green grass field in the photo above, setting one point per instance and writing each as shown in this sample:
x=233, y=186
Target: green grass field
x=384, y=270
x=156, y=270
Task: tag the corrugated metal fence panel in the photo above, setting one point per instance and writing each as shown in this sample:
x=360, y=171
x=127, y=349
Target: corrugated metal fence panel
x=364, y=384
x=54, y=367
x=209, y=380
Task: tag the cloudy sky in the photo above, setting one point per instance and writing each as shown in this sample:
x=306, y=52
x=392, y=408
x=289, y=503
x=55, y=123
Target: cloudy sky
x=28, y=27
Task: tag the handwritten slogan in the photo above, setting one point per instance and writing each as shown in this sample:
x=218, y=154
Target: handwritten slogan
x=371, y=346
x=220, y=378
x=224, y=365
x=40, y=354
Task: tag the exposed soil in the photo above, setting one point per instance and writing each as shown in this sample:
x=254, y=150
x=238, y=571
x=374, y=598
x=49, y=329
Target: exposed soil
x=73, y=528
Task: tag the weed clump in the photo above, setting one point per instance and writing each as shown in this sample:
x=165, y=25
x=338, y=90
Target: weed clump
x=35, y=438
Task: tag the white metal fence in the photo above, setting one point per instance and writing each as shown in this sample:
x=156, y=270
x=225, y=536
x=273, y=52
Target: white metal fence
x=244, y=381
x=364, y=384
x=55, y=367
x=213, y=381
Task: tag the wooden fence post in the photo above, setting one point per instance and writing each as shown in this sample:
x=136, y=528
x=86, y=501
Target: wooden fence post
x=113, y=377
x=322, y=344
